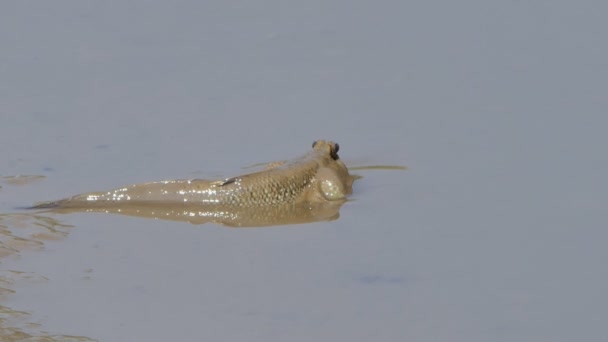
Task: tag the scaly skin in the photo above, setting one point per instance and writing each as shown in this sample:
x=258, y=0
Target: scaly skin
x=318, y=176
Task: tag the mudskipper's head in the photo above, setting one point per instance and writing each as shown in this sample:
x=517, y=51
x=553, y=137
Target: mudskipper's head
x=332, y=177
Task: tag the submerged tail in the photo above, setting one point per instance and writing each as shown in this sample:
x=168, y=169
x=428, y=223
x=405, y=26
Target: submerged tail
x=47, y=205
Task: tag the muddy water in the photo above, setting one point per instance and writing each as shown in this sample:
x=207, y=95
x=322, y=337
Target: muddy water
x=496, y=232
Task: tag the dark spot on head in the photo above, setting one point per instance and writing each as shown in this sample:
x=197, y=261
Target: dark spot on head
x=314, y=143
x=334, y=151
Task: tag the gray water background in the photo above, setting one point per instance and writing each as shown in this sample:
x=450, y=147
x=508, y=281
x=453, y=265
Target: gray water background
x=496, y=232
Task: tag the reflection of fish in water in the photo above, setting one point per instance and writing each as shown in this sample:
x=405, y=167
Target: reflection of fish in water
x=228, y=216
x=307, y=189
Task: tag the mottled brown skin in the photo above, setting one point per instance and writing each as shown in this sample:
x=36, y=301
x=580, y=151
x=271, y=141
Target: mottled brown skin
x=316, y=177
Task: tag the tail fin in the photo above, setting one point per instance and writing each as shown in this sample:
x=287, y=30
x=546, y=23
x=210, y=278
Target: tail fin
x=46, y=205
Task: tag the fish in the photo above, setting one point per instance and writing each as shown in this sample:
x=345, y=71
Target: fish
x=310, y=180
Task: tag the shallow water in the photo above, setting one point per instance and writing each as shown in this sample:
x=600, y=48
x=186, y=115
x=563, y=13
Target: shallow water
x=496, y=231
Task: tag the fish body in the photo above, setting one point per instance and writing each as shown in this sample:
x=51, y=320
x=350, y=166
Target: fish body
x=316, y=177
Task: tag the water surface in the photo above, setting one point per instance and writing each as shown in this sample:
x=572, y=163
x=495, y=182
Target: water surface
x=496, y=232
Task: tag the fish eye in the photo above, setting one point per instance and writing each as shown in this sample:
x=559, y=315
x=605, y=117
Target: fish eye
x=314, y=143
x=333, y=152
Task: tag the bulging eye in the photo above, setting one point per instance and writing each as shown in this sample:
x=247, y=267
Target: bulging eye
x=333, y=152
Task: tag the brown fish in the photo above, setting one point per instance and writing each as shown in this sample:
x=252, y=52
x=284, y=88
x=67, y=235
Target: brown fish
x=314, y=178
